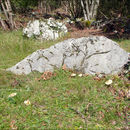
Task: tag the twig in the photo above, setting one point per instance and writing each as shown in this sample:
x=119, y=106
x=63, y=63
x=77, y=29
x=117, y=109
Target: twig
x=82, y=116
x=103, y=14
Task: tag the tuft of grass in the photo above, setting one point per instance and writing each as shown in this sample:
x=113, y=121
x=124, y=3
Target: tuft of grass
x=62, y=102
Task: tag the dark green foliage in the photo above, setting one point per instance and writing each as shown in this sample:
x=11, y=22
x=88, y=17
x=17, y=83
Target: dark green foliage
x=20, y=5
x=113, y=8
x=108, y=8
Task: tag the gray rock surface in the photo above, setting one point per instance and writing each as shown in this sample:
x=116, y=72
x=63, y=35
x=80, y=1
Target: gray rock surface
x=94, y=54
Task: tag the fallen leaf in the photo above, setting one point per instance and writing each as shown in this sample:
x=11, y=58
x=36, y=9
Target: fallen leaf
x=101, y=115
x=118, y=98
x=64, y=67
x=55, y=89
x=15, y=83
x=119, y=114
x=113, y=91
x=46, y=75
x=12, y=125
x=97, y=78
x=27, y=102
x=113, y=122
x=73, y=75
x=54, y=116
x=128, y=94
x=85, y=75
x=121, y=93
x=12, y=95
x=80, y=75
x=44, y=124
x=108, y=82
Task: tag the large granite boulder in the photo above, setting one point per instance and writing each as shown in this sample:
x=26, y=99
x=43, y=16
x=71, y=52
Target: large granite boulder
x=45, y=30
x=95, y=54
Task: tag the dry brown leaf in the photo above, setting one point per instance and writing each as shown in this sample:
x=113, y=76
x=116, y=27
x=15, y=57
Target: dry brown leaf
x=118, y=98
x=43, y=123
x=85, y=75
x=64, y=67
x=97, y=78
x=47, y=75
x=121, y=93
x=113, y=122
x=119, y=114
x=12, y=125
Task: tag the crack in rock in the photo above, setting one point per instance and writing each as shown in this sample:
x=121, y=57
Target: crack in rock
x=97, y=53
x=45, y=57
x=29, y=62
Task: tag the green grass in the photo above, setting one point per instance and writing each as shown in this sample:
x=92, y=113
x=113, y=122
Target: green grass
x=61, y=102
x=125, y=44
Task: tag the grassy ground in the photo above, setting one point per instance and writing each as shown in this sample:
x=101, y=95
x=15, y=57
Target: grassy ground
x=61, y=102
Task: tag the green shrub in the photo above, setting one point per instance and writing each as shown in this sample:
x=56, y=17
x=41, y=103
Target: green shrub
x=87, y=23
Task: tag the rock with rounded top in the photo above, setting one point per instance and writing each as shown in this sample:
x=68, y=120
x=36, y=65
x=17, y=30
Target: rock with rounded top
x=89, y=55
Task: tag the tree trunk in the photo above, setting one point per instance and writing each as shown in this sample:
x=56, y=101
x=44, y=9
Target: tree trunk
x=2, y=23
x=6, y=6
x=5, y=11
x=10, y=14
x=84, y=11
x=91, y=8
x=40, y=5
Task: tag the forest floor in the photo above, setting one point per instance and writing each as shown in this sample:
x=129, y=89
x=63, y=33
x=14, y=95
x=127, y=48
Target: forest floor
x=62, y=102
